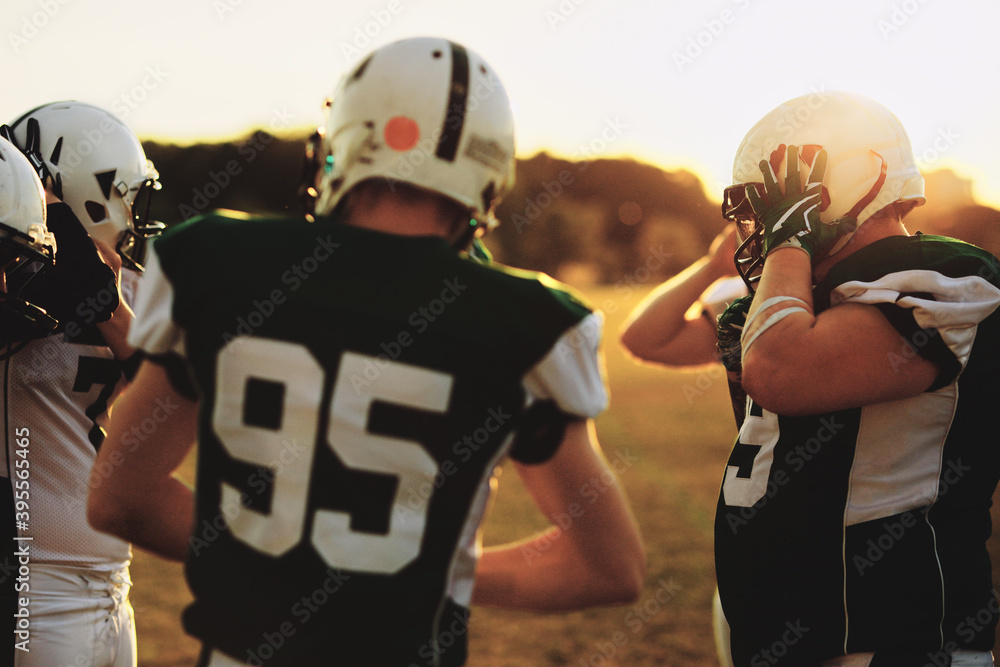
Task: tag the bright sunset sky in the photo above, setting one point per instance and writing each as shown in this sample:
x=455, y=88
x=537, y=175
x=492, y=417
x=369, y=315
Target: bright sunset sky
x=673, y=83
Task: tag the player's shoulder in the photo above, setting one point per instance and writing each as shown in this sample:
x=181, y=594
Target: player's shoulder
x=226, y=222
x=207, y=237
x=949, y=257
x=965, y=257
x=533, y=289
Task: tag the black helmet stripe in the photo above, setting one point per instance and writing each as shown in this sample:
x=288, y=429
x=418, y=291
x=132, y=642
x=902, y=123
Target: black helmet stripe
x=56, y=152
x=458, y=95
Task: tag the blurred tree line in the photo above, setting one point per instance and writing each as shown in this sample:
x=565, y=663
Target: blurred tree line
x=611, y=221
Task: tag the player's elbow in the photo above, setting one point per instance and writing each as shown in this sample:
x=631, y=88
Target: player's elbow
x=635, y=343
x=623, y=580
x=103, y=513
x=762, y=381
x=642, y=347
x=777, y=388
x=631, y=580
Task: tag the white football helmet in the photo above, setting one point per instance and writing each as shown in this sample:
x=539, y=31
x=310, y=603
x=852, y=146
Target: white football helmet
x=23, y=234
x=22, y=208
x=870, y=163
x=422, y=111
x=94, y=163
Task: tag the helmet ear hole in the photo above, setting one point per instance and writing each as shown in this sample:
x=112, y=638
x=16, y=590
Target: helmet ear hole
x=96, y=211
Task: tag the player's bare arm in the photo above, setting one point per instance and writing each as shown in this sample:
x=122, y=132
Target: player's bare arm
x=669, y=326
x=794, y=362
x=133, y=492
x=596, y=559
x=806, y=364
x=115, y=330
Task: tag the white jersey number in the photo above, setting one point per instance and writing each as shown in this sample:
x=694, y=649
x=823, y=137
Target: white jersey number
x=746, y=482
x=289, y=372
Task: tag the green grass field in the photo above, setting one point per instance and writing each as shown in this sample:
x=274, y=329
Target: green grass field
x=674, y=429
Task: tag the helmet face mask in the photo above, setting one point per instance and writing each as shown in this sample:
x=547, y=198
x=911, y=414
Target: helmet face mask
x=131, y=245
x=90, y=160
x=870, y=164
x=24, y=239
x=749, y=233
x=426, y=112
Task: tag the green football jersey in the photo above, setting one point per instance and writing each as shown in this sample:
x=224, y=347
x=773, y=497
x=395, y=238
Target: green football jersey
x=357, y=391
x=864, y=530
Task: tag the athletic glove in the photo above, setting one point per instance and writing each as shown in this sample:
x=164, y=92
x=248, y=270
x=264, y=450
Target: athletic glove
x=729, y=330
x=791, y=218
x=79, y=287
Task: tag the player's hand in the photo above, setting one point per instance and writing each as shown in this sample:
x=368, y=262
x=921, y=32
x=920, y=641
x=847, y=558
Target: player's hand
x=113, y=260
x=81, y=286
x=729, y=329
x=791, y=218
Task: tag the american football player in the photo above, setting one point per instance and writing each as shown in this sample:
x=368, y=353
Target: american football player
x=59, y=386
x=852, y=521
x=25, y=241
x=676, y=326
x=348, y=433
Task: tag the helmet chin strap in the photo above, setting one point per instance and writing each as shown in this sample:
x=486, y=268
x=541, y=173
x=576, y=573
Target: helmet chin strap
x=857, y=209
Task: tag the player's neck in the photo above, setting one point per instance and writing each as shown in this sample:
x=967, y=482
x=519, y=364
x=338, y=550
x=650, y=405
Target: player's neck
x=399, y=216
x=874, y=229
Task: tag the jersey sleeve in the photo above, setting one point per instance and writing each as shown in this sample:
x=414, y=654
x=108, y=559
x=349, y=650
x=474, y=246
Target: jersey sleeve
x=720, y=295
x=154, y=330
x=571, y=375
x=937, y=315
